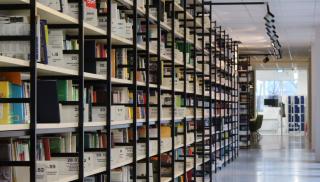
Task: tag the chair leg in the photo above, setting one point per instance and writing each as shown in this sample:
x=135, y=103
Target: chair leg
x=258, y=136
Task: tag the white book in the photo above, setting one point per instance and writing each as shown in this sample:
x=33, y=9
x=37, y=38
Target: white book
x=21, y=174
x=55, y=47
x=68, y=143
x=73, y=143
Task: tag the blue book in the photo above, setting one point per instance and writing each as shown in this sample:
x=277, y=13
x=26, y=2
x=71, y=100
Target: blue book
x=289, y=99
x=302, y=99
x=17, y=110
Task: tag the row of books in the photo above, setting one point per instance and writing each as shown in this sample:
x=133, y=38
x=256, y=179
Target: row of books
x=14, y=150
x=62, y=91
x=71, y=8
x=54, y=42
x=63, y=143
x=11, y=86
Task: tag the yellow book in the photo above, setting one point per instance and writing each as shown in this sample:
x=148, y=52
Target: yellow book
x=130, y=110
x=165, y=131
x=4, y=107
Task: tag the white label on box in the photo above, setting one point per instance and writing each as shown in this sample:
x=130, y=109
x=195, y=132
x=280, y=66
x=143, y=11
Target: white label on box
x=88, y=160
x=91, y=16
x=70, y=114
x=71, y=61
x=47, y=171
x=118, y=113
x=98, y=113
x=101, y=68
x=67, y=165
x=41, y=172
x=100, y=159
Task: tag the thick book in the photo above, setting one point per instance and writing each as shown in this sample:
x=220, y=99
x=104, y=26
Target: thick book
x=89, y=56
x=5, y=107
x=46, y=145
x=44, y=41
x=48, y=105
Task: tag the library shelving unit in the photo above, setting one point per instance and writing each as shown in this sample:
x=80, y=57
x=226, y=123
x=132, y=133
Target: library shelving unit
x=296, y=113
x=245, y=88
x=226, y=99
x=116, y=91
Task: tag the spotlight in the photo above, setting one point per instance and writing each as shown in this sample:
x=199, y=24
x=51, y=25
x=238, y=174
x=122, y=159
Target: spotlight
x=268, y=25
x=273, y=31
x=273, y=36
x=269, y=19
x=266, y=59
x=276, y=44
x=269, y=16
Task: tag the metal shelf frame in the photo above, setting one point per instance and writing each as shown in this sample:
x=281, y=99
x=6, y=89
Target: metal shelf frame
x=221, y=111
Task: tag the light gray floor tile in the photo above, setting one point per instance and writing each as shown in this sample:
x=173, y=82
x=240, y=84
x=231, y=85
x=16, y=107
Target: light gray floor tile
x=274, y=159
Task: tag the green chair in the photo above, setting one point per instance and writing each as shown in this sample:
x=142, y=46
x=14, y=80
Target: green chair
x=254, y=126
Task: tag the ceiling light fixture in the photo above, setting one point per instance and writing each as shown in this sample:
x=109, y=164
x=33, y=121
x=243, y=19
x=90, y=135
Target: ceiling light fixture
x=271, y=32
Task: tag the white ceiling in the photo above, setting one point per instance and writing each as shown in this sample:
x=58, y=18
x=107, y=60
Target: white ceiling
x=296, y=21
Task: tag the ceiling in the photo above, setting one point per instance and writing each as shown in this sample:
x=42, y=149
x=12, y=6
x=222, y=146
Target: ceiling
x=295, y=21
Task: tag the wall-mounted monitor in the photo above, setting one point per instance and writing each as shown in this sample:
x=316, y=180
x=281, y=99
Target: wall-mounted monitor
x=271, y=102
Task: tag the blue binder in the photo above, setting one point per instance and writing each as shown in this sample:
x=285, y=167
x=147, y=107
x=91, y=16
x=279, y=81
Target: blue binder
x=296, y=100
x=296, y=109
x=302, y=99
x=296, y=118
x=302, y=109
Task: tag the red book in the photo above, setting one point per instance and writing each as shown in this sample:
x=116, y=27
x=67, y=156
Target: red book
x=102, y=51
x=46, y=146
x=94, y=97
x=104, y=140
x=91, y=3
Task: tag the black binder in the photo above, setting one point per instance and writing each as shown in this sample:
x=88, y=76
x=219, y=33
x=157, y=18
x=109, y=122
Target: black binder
x=47, y=102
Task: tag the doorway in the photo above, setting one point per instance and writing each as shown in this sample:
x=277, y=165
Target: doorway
x=281, y=97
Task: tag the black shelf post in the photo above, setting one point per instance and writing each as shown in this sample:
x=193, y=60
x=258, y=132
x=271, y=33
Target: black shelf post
x=81, y=88
x=210, y=94
x=147, y=107
x=109, y=89
x=33, y=92
x=135, y=65
x=173, y=133
x=195, y=103
x=159, y=82
x=203, y=90
x=185, y=89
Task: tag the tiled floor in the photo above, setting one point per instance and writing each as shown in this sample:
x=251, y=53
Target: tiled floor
x=275, y=159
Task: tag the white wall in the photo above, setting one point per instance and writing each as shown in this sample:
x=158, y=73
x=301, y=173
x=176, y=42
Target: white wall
x=264, y=75
x=315, y=94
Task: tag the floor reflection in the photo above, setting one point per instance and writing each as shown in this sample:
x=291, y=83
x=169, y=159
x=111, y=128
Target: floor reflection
x=273, y=159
